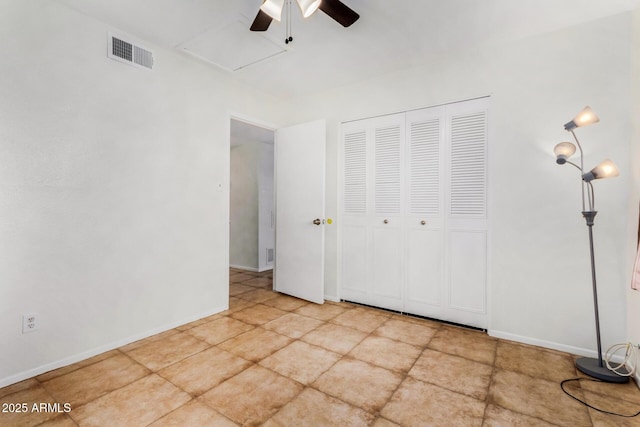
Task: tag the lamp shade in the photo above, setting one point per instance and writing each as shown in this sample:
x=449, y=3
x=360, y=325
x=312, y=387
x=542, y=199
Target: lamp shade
x=308, y=6
x=606, y=169
x=563, y=151
x=273, y=8
x=584, y=117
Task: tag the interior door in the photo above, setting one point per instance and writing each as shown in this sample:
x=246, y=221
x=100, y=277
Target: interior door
x=300, y=189
x=425, y=212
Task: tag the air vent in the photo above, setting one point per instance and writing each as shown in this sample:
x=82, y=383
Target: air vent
x=123, y=50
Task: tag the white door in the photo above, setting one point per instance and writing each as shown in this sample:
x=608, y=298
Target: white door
x=467, y=225
x=414, y=230
x=372, y=247
x=386, y=281
x=425, y=207
x=299, y=179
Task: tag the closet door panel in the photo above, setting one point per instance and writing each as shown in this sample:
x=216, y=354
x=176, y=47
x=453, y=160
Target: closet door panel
x=355, y=201
x=425, y=137
x=386, y=265
x=354, y=171
x=424, y=270
x=387, y=278
x=388, y=144
x=467, y=277
x=466, y=246
x=467, y=270
x=354, y=260
x=424, y=206
x=468, y=164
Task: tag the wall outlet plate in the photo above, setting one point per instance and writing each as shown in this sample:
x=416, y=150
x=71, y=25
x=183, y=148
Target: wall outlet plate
x=29, y=322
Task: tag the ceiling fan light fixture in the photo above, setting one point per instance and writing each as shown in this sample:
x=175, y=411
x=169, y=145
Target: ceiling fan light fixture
x=273, y=8
x=308, y=6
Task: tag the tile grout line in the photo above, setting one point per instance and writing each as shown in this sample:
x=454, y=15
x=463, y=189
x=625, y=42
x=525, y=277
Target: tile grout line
x=406, y=374
x=488, y=399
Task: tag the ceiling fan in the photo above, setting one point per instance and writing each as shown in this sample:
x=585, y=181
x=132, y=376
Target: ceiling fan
x=272, y=9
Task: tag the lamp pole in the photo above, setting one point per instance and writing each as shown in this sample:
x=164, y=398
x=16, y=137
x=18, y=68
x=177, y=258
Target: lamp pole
x=588, y=365
x=589, y=217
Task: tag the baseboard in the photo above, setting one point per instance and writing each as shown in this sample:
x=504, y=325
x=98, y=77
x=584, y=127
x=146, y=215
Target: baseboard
x=542, y=343
x=551, y=345
x=242, y=267
x=331, y=298
x=102, y=349
x=617, y=358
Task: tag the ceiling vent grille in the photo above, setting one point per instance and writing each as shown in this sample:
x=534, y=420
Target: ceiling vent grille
x=129, y=52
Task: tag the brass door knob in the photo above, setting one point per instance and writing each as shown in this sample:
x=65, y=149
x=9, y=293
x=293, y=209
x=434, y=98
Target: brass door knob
x=386, y=221
x=423, y=222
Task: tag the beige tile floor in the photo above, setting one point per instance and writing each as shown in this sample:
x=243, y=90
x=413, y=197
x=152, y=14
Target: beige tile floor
x=275, y=360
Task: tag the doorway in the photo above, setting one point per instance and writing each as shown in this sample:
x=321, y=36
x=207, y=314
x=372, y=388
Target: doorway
x=252, y=213
x=277, y=180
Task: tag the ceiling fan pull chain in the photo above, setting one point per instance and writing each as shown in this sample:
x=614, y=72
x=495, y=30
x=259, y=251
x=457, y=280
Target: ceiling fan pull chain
x=288, y=38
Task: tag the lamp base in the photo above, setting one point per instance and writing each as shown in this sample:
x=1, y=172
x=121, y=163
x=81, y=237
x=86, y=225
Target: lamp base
x=591, y=367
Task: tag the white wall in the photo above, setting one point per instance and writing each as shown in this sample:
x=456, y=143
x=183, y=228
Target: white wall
x=251, y=204
x=539, y=282
x=245, y=167
x=113, y=188
x=266, y=209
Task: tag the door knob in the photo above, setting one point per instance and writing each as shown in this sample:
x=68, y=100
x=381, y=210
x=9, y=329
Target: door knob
x=386, y=221
x=317, y=221
x=423, y=222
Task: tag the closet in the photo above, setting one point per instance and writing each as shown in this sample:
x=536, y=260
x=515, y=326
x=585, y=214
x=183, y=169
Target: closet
x=414, y=212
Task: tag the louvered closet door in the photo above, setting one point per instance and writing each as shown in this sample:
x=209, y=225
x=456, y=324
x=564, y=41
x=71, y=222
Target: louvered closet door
x=372, y=209
x=414, y=212
x=387, y=273
x=424, y=260
x=466, y=266
x=355, y=206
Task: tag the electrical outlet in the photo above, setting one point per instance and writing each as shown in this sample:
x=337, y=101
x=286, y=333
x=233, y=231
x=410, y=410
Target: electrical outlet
x=29, y=322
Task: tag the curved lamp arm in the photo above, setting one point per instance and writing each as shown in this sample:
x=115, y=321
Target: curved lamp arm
x=581, y=169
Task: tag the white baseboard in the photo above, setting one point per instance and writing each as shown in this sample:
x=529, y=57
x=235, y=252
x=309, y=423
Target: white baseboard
x=242, y=267
x=549, y=344
x=331, y=298
x=542, y=343
x=21, y=376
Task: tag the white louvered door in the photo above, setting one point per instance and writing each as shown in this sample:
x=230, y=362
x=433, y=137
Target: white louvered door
x=372, y=244
x=355, y=202
x=388, y=192
x=425, y=212
x=414, y=212
x=466, y=241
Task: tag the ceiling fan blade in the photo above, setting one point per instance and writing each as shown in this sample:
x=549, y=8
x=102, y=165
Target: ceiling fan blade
x=339, y=11
x=262, y=22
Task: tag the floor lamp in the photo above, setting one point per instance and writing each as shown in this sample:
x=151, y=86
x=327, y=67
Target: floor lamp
x=606, y=169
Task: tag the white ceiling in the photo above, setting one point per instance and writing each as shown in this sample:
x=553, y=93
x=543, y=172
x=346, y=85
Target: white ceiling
x=389, y=35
